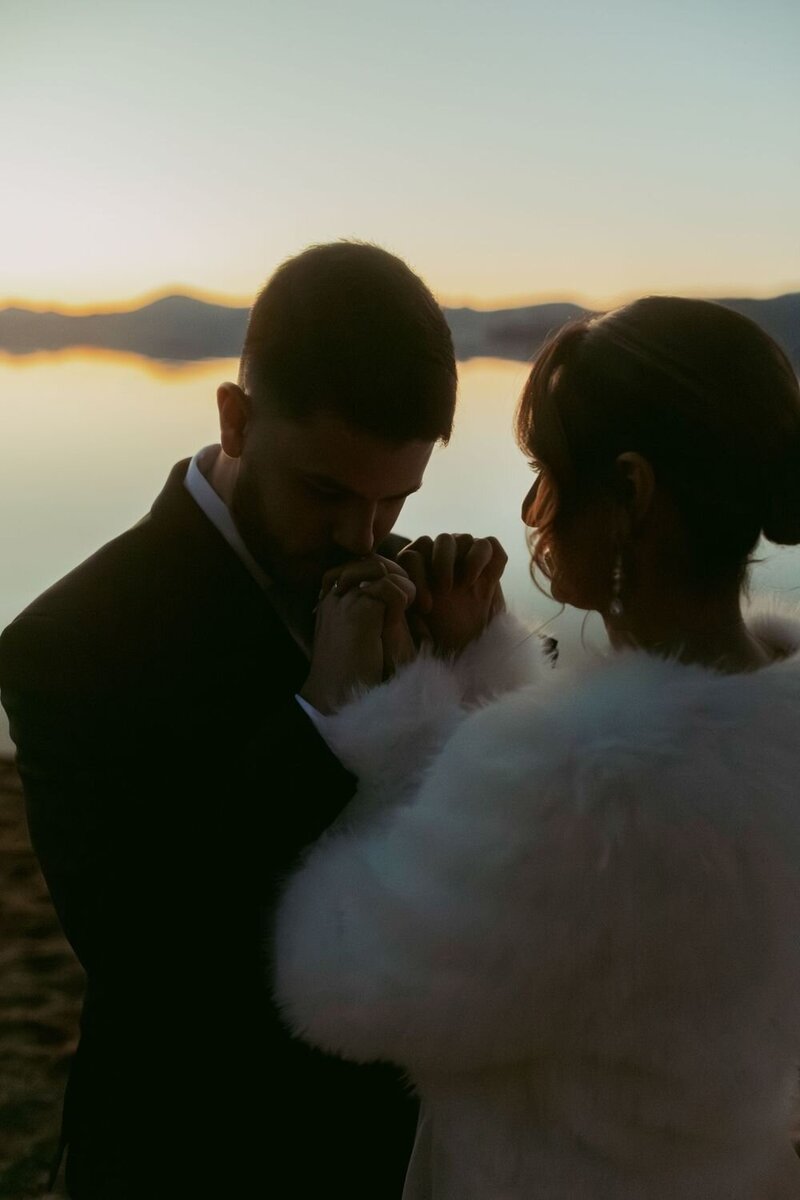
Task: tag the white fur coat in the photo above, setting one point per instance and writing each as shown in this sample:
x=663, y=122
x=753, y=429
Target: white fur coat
x=572, y=914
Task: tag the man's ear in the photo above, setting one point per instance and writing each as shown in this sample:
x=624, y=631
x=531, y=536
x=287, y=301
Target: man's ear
x=234, y=417
x=636, y=482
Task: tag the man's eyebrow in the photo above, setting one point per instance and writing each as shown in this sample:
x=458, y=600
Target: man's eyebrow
x=335, y=485
x=325, y=480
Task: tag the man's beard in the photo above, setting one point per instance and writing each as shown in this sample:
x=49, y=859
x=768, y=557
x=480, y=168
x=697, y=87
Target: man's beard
x=299, y=574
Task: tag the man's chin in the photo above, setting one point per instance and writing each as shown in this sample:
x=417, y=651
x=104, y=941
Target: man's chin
x=297, y=572
x=303, y=574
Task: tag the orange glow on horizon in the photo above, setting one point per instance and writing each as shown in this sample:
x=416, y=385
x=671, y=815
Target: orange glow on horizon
x=121, y=305
x=479, y=304
x=162, y=369
x=614, y=300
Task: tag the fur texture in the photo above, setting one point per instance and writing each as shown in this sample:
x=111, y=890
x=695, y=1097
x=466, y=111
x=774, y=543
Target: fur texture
x=576, y=924
x=418, y=710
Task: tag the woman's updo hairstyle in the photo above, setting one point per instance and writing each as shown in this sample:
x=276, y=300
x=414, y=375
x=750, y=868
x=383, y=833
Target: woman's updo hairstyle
x=702, y=392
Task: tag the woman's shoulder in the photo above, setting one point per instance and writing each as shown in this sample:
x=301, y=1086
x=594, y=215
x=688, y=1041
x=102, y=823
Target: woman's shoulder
x=647, y=697
x=675, y=735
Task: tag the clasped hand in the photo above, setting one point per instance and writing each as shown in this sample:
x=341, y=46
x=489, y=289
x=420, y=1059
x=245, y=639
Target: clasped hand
x=374, y=614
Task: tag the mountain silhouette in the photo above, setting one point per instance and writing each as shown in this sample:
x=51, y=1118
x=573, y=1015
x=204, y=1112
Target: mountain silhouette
x=183, y=329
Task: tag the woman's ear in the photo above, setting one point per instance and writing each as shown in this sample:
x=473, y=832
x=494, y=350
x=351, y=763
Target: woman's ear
x=636, y=482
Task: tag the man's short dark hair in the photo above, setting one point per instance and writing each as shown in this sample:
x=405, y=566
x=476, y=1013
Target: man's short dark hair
x=348, y=329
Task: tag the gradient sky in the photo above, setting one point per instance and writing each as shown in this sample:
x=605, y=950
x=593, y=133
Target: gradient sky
x=507, y=151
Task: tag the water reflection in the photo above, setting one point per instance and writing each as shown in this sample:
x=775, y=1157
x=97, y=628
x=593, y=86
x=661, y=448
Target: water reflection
x=89, y=438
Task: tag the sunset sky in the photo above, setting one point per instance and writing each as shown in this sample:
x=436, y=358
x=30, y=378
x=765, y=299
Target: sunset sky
x=512, y=151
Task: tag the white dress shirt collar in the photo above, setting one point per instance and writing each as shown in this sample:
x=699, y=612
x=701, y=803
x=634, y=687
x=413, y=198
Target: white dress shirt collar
x=217, y=511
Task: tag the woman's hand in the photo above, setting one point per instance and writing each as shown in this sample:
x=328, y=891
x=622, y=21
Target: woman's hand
x=457, y=582
x=362, y=634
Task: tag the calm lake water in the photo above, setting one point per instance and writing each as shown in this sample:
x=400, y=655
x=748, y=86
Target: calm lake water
x=89, y=438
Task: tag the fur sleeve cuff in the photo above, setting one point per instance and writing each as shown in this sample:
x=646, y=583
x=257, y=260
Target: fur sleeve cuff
x=505, y=657
x=389, y=735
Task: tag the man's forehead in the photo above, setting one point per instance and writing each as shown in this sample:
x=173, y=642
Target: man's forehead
x=354, y=458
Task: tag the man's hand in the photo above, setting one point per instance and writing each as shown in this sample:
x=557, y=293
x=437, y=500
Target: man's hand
x=457, y=581
x=361, y=634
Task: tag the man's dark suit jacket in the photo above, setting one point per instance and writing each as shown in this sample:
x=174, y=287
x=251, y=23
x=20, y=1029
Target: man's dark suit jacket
x=171, y=782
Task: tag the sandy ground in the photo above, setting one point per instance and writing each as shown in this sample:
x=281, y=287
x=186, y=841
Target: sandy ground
x=41, y=986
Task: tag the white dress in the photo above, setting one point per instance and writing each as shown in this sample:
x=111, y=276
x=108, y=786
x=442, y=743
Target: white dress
x=572, y=914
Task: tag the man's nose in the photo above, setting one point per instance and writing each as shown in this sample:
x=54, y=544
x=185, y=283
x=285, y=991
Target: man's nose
x=355, y=528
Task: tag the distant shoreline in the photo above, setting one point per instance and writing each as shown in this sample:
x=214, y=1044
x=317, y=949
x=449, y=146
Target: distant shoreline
x=175, y=329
